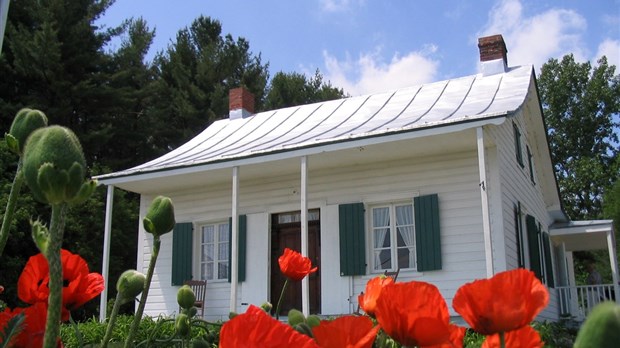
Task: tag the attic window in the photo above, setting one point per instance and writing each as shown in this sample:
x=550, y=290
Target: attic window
x=518, y=151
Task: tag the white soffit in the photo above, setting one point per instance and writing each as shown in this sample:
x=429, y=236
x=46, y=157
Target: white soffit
x=408, y=110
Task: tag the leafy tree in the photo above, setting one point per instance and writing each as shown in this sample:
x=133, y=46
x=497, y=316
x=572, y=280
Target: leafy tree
x=290, y=89
x=579, y=104
x=611, y=205
x=194, y=76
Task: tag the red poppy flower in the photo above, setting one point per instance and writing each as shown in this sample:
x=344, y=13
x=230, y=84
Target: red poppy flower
x=414, y=314
x=525, y=337
x=33, y=326
x=368, y=299
x=508, y=301
x=294, y=265
x=80, y=287
x=346, y=332
x=255, y=328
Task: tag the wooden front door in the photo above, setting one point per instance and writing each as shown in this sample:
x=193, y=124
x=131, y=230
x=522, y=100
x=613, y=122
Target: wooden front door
x=286, y=233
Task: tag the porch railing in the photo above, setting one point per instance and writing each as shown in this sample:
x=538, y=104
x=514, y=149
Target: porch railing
x=578, y=301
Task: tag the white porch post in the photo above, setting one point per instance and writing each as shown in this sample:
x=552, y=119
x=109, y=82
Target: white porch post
x=105, y=268
x=613, y=261
x=234, y=276
x=484, y=197
x=305, y=285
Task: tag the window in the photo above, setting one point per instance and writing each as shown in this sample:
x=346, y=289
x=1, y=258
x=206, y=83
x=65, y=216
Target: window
x=518, y=152
x=214, y=250
x=393, y=237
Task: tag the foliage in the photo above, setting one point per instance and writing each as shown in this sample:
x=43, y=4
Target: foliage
x=611, y=204
x=291, y=89
x=92, y=331
x=581, y=104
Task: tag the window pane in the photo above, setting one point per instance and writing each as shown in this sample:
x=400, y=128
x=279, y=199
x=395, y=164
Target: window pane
x=222, y=270
x=208, y=252
x=381, y=238
x=405, y=258
x=207, y=234
x=381, y=217
x=383, y=259
x=223, y=233
x=223, y=251
x=209, y=268
x=405, y=236
x=404, y=215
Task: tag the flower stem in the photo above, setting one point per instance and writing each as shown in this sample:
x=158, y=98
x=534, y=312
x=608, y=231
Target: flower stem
x=280, y=299
x=112, y=320
x=145, y=293
x=502, y=340
x=18, y=180
x=54, y=304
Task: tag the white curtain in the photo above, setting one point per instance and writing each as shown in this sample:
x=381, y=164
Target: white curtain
x=381, y=227
x=404, y=224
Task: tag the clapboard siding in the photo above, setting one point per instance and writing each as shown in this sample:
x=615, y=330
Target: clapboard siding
x=516, y=186
x=454, y=177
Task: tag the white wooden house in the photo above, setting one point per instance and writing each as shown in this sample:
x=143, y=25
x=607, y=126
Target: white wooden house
x=448, y=181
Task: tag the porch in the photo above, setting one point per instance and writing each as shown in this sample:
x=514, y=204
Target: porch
x=577, y=301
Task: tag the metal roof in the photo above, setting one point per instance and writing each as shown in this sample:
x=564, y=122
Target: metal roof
x=454, y=101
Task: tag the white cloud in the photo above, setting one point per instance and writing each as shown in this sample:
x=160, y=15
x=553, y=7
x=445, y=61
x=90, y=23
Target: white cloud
x=368, y=74
x=338, y=5
x=535, y=39
x=611, y=49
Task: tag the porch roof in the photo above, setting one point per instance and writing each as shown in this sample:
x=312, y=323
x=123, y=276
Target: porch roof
x=465, y=102
x=583, y=235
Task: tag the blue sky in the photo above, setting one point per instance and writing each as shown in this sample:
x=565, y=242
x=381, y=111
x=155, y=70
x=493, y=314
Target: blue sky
x=367, y=46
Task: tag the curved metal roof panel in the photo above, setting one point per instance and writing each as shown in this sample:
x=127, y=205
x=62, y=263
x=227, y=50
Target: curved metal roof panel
x=459, y=100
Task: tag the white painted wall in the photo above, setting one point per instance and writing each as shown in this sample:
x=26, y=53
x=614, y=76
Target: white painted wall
x=453, y=176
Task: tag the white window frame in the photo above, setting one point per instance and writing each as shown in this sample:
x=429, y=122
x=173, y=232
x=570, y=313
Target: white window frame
x=393, y=235
x=199, y=262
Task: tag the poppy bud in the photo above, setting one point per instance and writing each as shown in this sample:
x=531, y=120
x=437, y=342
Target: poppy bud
x=232, y=315
x=266, y=306
x=25, y=122
x=181, y=325
x=54, y=166
x=186, y=297
x=313, y=320
x=295, y=317
x=303, y=328
x=159, y=219
x=130, y=284
x=40, y=235
x=601, y=328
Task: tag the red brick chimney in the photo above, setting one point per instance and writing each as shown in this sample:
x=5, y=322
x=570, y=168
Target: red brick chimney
x=493, y=58
x=240, y=103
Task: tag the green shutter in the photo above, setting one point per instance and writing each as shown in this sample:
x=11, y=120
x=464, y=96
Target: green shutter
x=241, y=242
x=548, y=262
x=427, y=235
x=519, y=235
x=518, y=151
x=533, y=245
x=352, y=239
x=182, y=253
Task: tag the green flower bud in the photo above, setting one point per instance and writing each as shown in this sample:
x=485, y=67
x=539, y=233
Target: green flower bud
x=186, y=297
x=54, y=166
x=25, y=122
x=303, y=328
x=182, y=325
x=191, y=312
x=232, y=315
x=601, y=328
x=159, y=219
x=130, y=284
x=295, y=317
x=313, y=320
x=266, y=306
x=40, y=235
